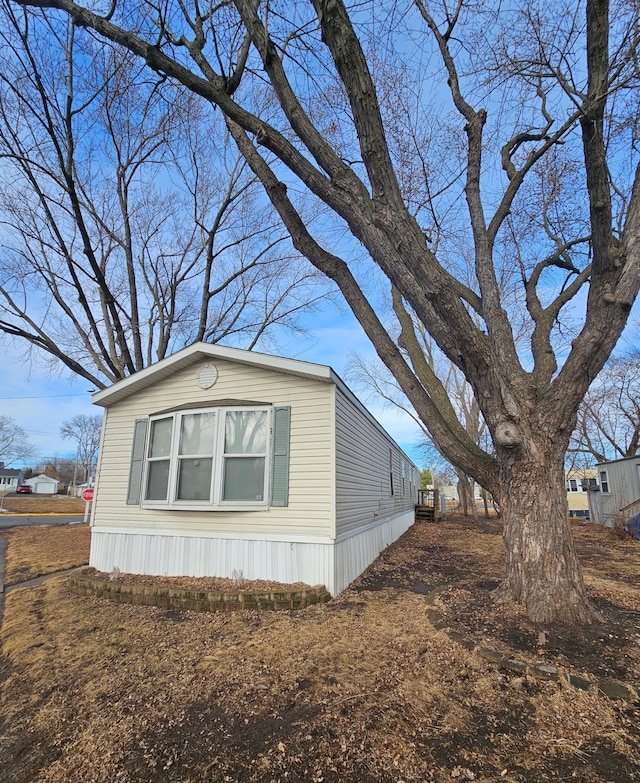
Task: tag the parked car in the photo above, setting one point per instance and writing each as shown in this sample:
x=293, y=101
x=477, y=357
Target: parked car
x=25, y=489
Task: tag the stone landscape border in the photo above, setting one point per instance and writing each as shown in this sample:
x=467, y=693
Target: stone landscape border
x=180, y=598
x=613, y=689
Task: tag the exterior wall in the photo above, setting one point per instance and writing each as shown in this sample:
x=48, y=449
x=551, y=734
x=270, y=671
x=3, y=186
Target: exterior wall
x=366, y=458
x=8, y=484
x=143, y=552
x=623, y=485
x=310, y=513
x=334, y=565
x=577, y=497
x=341, y=513
x=355, y=552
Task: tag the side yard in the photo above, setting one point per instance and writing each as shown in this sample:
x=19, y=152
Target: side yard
x=369, y=687
x=34, y=551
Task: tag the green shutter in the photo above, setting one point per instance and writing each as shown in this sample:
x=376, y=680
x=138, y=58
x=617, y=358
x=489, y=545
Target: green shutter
x=137, y=462
x=280, y=457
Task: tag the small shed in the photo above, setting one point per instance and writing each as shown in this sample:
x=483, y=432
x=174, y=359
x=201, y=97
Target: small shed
x=43, y=485
x=619, y=496
x=222, y=462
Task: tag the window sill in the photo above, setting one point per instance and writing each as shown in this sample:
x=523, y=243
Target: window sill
x=204, y=506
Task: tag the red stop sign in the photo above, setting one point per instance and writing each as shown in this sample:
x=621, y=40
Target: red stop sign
x=87, y=494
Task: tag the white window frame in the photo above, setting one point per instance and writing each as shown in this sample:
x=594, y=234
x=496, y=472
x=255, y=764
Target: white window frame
x=216, y=501
x=604, y=482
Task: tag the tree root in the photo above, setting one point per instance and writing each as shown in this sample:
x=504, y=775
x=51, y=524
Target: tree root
x=542, y=607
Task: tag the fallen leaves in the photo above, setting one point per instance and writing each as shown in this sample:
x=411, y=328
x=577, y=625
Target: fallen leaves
x=362, y=689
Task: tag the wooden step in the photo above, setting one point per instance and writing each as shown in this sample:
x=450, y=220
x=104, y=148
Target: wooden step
x=425, y=514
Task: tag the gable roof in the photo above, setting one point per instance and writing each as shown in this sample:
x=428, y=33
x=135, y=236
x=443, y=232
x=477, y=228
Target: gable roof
x=202, y=351
x=198, y=352
x=10, y=472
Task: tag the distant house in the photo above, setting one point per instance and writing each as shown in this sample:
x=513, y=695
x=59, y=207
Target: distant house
x=9, y=479
x=43, y=485
x=619, y=496
x=579, y=484
x=78, y=489
x=217, y=461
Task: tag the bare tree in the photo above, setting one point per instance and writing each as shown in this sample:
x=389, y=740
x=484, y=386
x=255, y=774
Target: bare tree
x=609, y=417
x=85, y=432
x=14, y=442
x=525, y=131
x=131, y=226
x=63, y=469
x=374, y=379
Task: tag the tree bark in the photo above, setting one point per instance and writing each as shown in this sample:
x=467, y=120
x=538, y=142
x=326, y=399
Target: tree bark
x=542, y=569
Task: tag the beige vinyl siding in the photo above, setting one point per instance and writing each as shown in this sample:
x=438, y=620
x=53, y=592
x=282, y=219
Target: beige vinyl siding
x=311, y=509
x=364, y=458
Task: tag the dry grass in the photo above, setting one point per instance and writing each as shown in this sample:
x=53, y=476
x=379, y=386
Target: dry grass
x=43, y=504
x=362, y=689
x=43, y=549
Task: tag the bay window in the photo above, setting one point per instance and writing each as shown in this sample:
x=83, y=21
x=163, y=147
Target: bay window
x=207, y=458
x=195, y=456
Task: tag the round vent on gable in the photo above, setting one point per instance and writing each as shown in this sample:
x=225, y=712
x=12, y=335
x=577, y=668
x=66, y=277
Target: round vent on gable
x=206, y=376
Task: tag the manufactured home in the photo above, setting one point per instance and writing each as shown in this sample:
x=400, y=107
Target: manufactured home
x=619, y=496
x=218, y=462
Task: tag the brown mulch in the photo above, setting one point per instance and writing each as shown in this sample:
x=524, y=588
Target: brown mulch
x=601, y=650
x=197, y=584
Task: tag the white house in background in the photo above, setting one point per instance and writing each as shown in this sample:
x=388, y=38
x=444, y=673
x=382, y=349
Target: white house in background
x=619, y=496
x=43, y=485
x=80, y=488
x=9, y=479
x=217, y=461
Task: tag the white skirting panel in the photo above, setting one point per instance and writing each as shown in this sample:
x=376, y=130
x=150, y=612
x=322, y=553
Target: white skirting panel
x=354, y=554
x=334, y=565
x=170, y=554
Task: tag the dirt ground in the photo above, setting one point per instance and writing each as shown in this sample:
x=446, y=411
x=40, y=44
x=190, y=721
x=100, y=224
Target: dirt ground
x=365, y=688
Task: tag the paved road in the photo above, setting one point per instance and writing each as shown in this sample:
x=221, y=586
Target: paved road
x=15, y=520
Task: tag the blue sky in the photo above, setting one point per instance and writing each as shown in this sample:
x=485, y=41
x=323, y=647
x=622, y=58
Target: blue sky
x=39, y=402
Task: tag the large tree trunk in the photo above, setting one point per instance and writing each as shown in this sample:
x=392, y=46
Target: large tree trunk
x=542, y=569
